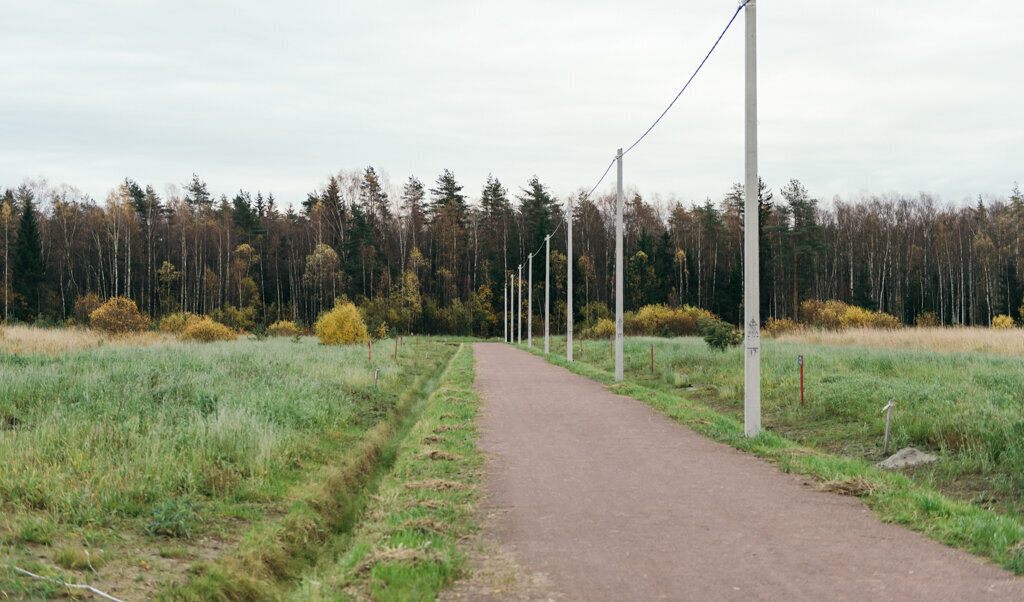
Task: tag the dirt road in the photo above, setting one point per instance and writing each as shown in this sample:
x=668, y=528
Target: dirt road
x=609, y=500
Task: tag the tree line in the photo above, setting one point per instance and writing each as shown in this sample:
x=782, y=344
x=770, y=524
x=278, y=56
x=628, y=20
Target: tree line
x=431, y=258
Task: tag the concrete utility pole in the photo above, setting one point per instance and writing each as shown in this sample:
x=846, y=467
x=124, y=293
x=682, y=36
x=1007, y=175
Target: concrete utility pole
x=519, y=324
x=618, y=268
x=751, y=275
x=547, y=293
x=512, y=314
x=529, y=303
x=504, y=315
x=568, y=286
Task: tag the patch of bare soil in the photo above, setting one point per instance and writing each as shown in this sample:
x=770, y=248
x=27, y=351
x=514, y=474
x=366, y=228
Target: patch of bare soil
x=494, y=574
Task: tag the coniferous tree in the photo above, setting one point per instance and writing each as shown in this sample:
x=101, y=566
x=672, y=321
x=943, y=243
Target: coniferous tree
x=29, y=269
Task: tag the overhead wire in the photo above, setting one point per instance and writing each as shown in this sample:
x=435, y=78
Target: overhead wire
x=656, y=121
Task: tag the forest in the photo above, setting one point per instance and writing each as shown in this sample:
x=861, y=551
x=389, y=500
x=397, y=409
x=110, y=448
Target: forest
x=433, y=258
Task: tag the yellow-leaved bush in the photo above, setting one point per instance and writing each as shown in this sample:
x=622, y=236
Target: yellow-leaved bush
x=118, y=315
x=341, y=326
x=282, y=328
x=205, y=330
x=1002, y=322
x=658, y=320
x=836, y=315
x=177, y=322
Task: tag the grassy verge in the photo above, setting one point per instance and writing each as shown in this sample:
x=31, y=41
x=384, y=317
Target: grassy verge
x=835, y=438
x=406, y=546
x=167, y=458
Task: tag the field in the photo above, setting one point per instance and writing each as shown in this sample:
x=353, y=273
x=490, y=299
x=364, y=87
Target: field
x=192, y=471
x=968, y=407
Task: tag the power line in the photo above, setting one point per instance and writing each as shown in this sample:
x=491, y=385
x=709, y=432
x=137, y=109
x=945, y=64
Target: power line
x=656, y=121
x=687, y=84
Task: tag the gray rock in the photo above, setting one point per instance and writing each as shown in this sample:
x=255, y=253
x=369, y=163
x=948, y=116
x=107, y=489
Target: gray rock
x=905, y=458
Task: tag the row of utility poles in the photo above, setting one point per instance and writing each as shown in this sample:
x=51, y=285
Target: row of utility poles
x=751, y=275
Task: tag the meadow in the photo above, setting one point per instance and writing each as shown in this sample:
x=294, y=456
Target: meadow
x=186, y=470
x=965, y=406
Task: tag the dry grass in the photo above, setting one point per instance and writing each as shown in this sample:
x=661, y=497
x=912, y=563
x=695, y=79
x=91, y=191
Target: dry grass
x=857, y=486
x=980, y=340
x=25, y=340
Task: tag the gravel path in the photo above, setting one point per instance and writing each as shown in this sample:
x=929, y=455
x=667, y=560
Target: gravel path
x=601, y=498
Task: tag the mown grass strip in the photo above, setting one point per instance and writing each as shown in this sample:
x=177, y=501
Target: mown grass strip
x=325, y=508
x=894, y=497
x=406, y=547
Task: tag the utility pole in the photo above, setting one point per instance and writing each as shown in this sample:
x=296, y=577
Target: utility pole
x=568, y=285
x=519, y=326
x=547, y=293
x=512, y=314
x=504, y=315
x=529, y=303
x=618, y=268
x=751, y=275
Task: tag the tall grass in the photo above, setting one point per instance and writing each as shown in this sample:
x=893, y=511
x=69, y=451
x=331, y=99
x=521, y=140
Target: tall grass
x=964, y=340
x=106, y=433
x=23, y=339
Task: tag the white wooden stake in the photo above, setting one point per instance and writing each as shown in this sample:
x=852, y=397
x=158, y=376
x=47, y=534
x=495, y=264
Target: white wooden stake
x=618, y=268
x=888, y=424
x=752, y=288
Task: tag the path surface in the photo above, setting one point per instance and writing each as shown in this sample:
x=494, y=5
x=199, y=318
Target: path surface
x=609, y=500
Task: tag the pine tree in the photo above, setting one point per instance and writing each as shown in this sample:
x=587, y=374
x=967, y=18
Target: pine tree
x=29, y=270
x=448, y=195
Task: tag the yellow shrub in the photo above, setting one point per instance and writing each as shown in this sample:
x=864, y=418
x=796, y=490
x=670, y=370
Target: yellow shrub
x=774, y=327
x=928, y=319
x=341, y=326
x=836, y=315
x=118, y=315
x=604, y=329
x=205, y=330
x=177, y=322
x=657, y=320
x=84, y=306
x=282, y=328
x=381, y=332
x=1002, y=321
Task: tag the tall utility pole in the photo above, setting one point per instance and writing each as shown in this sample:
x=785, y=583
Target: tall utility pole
x=751, y=275
x=618, y=268
x=547, y=293
x=519, y=323
x=504, y=315
x=568, y=285
x=512, y=313
x=529, y=303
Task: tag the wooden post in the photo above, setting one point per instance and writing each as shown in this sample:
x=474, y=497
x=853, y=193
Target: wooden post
x=396, y=350
x=800, y=361
x=652, y=358
x=376, y=373
x=369, y=351
x=888, y=425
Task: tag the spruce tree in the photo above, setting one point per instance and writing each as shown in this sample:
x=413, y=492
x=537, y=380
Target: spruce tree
x=29, y=271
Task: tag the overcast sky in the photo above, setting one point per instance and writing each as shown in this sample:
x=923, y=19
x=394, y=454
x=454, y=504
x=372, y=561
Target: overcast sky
x=855, y=97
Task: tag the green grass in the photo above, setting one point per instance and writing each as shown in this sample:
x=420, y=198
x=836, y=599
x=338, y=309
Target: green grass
x=406, y=548
x=130, y=447
x=967, y=408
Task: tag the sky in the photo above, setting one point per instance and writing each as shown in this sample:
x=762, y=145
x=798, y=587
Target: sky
x=855, y=98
